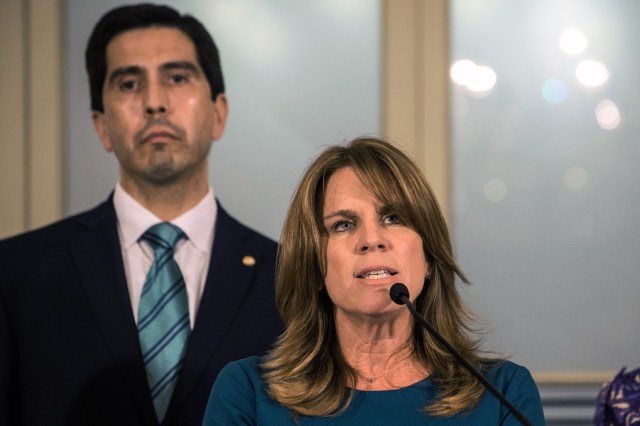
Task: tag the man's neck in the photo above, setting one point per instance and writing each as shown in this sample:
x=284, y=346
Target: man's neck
x=167, y=201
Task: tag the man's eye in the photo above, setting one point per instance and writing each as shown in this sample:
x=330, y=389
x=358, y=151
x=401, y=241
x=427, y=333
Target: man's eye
x=128, y=85
x=178, y=78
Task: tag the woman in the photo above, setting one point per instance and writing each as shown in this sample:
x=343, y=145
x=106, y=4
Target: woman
x=362, y=219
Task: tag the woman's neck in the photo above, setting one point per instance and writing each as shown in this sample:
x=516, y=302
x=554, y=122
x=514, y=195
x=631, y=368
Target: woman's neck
x=381, y=353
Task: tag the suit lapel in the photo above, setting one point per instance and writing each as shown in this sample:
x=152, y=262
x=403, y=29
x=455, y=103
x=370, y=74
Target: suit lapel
x=228, y=280
x=98, y=257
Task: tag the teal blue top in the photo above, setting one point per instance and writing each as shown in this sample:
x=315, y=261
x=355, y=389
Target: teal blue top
x=239, y=397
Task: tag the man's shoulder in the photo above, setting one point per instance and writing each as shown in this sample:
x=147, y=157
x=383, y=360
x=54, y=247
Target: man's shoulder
x=59, y=230
x=48, y=247
x=229, y=225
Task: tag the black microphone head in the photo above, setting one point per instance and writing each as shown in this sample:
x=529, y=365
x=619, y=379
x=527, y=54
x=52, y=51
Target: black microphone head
x=397, y=292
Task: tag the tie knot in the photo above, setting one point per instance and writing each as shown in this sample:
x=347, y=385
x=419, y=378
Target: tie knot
x=163, y=236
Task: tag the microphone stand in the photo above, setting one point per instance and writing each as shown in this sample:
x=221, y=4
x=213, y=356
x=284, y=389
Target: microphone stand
x=401, y=297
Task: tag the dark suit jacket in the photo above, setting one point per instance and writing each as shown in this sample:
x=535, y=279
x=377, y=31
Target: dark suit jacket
x=69, y=350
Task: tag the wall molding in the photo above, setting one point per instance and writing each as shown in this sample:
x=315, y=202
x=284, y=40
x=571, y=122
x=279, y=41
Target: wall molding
x=573, y=377
x=31, y=116
x=415, y=86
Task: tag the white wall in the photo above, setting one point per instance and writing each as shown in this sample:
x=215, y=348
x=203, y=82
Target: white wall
x=546, y=200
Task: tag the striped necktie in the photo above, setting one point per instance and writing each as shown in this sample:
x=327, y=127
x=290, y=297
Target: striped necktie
x=163, y=316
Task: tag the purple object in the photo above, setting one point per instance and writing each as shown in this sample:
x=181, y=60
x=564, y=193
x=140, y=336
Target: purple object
x=619, y=401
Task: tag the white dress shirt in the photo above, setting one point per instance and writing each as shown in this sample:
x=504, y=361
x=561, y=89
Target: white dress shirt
x=192, y=254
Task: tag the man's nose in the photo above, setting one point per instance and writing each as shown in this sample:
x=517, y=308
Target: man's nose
x=156, y=100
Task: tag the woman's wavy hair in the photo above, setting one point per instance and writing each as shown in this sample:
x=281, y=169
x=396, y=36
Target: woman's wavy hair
x=306, y=370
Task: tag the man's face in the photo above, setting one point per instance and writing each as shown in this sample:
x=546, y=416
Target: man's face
x=159, y=118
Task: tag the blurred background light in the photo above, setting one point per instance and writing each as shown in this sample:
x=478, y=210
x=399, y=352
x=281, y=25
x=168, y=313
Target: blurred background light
x=608, y=115
x=495, y=190
x=554, y=91
x=575, y=178
x=592, y=73
x=461, y=71
x=476, y=78
x=573, y=41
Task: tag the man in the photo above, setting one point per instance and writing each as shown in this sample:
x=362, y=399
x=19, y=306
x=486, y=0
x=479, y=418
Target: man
x=78, y=298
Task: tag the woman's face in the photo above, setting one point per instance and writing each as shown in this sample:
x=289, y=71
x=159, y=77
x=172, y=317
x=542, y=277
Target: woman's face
x=368, y=250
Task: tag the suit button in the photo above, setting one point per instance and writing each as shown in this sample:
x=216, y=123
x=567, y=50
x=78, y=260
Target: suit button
x=248, y=260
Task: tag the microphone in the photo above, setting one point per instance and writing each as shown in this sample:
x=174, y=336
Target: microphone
x=399, y=293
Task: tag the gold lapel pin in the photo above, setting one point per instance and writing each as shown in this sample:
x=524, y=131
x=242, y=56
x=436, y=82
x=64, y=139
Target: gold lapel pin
x=248, y=260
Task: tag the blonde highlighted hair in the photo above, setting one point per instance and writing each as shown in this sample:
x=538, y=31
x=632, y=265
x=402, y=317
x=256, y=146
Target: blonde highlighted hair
x=306, y=370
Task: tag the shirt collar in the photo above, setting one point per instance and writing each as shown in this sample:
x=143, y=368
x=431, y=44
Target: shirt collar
x=134, y=219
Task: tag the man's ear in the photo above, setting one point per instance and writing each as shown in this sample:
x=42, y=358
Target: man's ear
x=101, y=128
x=220, y=112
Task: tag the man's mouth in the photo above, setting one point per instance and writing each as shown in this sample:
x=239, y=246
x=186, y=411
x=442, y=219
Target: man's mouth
x=159, y=129
x=159, y=136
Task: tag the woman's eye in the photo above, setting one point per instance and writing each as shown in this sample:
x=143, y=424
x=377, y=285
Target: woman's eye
x=392, y=219
x=341, y=226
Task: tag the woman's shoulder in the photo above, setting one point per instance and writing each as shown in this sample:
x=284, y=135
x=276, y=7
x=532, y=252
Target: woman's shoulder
x=234, y=393
x=248, y=367
x=504, y=370
x=511, y=379
x=516, y=383
x=237, y=380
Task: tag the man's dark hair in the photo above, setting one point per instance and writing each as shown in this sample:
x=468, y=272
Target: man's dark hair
x=139, y=16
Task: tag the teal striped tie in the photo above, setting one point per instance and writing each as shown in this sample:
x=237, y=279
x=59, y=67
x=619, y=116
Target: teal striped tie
x=163, y=316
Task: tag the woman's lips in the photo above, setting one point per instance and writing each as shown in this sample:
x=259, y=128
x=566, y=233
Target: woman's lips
x=376, y=274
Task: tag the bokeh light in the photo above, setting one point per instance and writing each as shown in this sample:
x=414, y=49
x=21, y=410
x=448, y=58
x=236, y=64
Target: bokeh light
x=476, y=78
x=592, y=73
x=573, y=42
x=461, y=70
x=608, y=115
x=554, y=91
x=495, y=190
x=575, y=178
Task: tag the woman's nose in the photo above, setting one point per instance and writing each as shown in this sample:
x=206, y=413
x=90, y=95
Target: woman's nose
x=371, y=239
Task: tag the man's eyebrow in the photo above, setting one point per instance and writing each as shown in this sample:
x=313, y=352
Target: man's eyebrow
x=181, y=65
x=130, y=70
x=138, y=70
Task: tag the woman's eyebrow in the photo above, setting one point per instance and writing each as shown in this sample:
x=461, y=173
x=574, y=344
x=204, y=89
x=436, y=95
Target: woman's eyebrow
x=350, y=214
